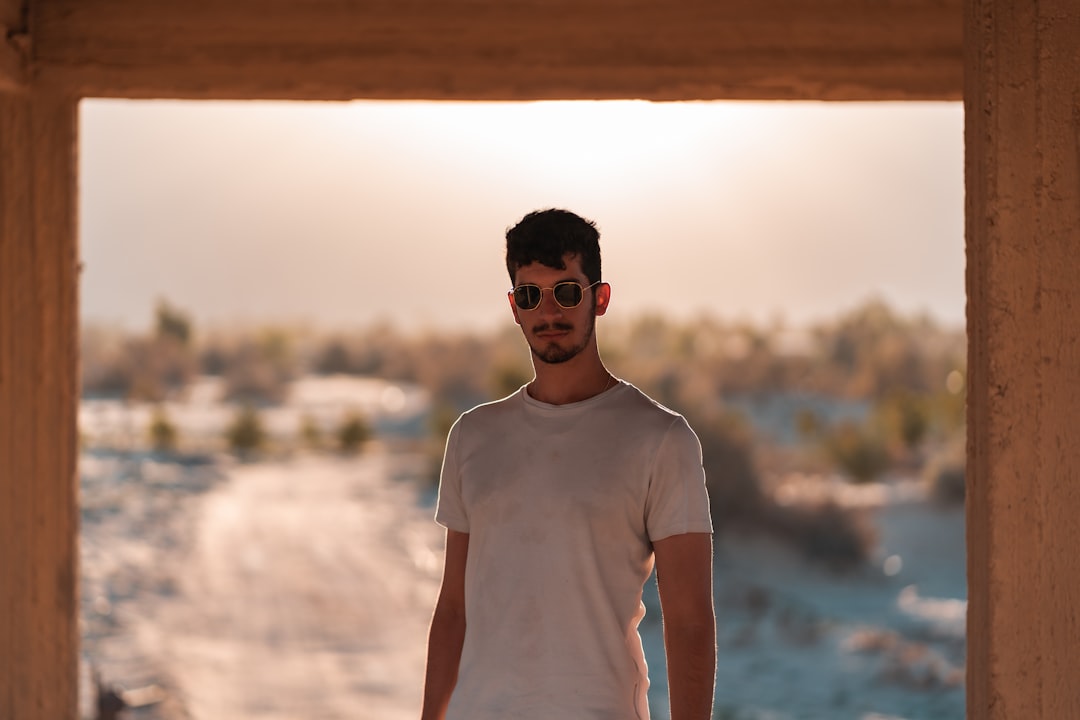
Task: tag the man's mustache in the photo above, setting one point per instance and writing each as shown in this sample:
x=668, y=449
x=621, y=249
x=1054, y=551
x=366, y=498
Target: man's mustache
x=564, y=327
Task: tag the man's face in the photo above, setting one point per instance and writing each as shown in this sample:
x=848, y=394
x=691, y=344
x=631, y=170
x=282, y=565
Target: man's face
x=556, y=334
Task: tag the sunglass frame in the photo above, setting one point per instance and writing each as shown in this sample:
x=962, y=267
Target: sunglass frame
x=554, y=293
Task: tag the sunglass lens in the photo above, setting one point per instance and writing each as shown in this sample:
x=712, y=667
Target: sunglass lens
x=567, y=294
x=527, y=296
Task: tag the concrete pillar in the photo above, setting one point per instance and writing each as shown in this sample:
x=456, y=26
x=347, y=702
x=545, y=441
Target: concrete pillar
x=38, y=400
x=1022, y=107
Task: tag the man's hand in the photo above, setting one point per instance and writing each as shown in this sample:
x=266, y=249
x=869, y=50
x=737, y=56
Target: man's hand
x=684, y=577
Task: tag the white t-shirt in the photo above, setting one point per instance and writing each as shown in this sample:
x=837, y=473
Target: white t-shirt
x=562, y=504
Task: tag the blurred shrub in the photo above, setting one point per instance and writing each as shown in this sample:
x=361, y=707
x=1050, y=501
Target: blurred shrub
x=456, y=371
x=245, y=435
x=310, y=433
x=333, y=359
x=162, y=432
x=945, y=475
x=353, y=433
x=865, y=354
x=139, y=367
x=214, y=359
x=826, y=533
x=171, y=322
x=871, y=351
x=857, y=451
x=261, y=368
x=735, y=495
x=947, y=484
x=948, y=409
x=808, y=424
x=904, y=418
x=507, y=377
x=441, y=419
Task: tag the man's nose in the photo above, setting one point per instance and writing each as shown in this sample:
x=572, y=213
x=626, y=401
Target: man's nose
x=548, y=305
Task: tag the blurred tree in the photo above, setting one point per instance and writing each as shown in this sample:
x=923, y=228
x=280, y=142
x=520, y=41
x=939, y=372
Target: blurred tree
x=310, y=433
x=651, y=337
x=152, y=368
x=333, y=359
x=867, y=354
x=275, y=344
x=871, y=351
x=826, y=533
x=808, y=424
x=913, y=422
x=162, y=432
x=214, y=359
x=459, y=371
x=441, y=419
x=141, y=367
x=507, y=378
x=245, y=435
x=948, y=409
x=857, y=451
x=353, y=433
x=945, y=475
x=384, y=352
x=735, y=494
x=171, y=322
x=261, y=368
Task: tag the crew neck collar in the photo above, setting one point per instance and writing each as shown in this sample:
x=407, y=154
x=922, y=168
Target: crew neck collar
x=532, y=402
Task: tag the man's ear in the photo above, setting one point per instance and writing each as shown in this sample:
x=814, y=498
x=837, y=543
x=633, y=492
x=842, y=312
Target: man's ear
x=603, y=298
x=513, y=307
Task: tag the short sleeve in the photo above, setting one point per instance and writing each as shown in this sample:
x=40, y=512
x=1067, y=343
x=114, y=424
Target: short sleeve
x=678, y=501
x=450, y=511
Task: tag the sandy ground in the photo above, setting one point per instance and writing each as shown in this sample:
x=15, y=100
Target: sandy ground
x=300, y=590
x=303, y=589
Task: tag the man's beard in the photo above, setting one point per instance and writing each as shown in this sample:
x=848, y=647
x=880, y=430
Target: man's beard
x=552, y=354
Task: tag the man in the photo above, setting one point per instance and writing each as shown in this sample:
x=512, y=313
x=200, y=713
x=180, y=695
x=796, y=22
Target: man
x=557, y=501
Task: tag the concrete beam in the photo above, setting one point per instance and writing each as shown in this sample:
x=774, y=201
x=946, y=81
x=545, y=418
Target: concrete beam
x=1022, y=116
x=39, y=347
x=498, y=50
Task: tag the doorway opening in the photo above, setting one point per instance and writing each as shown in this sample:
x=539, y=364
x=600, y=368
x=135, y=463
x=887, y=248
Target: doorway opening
x=346, y=245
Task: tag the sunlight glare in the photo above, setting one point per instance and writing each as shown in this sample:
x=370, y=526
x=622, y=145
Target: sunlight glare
x=573, y=143
x=747, y=209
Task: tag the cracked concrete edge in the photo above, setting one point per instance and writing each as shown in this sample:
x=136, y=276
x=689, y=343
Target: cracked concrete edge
x=14, y=59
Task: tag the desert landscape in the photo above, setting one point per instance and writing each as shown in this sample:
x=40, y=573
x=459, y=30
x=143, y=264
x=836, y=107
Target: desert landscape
x=257, y=536
x=301, y=585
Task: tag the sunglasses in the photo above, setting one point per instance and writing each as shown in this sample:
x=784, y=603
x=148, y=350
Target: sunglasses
x=568, y=294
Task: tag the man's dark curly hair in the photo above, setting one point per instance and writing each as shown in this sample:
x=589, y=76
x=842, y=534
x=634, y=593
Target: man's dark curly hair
x=546, y=236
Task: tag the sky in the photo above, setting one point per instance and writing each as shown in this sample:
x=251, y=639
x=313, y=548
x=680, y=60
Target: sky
x=340, y=215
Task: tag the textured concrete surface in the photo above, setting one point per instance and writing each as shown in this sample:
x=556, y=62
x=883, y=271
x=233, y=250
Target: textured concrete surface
x=1023, y=250
x=1017, y=66
x=484, y=50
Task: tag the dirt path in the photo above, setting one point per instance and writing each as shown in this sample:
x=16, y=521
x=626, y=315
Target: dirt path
x=302, y=590
x=306, y=594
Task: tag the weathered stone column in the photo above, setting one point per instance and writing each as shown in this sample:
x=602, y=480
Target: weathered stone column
x=38, y=400
x=1022, y=106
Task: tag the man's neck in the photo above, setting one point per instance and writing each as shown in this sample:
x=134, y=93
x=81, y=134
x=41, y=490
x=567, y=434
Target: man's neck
x=577, y=379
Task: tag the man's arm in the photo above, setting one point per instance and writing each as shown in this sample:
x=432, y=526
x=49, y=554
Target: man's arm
x=447, y=633
x=684, y=578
